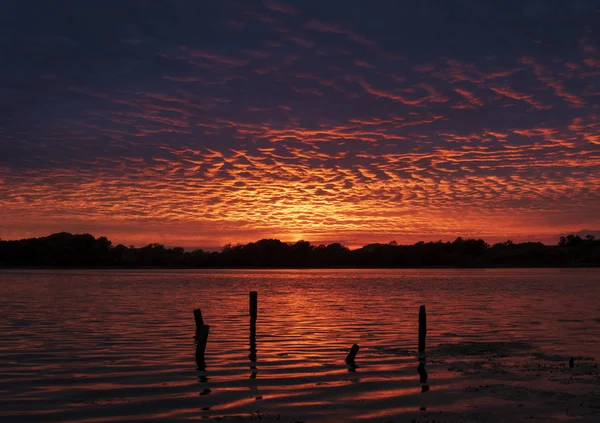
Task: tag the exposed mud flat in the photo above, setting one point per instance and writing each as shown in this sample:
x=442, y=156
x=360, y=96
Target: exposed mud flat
x=526, y=384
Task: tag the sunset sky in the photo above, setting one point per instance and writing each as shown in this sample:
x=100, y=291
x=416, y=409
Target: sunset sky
x=200, y=123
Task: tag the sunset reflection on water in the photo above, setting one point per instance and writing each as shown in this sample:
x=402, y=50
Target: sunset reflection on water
x=118, y=345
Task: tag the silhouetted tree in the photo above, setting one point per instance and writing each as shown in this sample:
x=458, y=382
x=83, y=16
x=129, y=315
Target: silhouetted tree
x=68, y=250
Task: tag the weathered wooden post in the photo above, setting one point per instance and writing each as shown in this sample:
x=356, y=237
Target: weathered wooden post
x=422, y=328
x=198, y=319
x=253, y=316
x=352, y=354
x=253, y=305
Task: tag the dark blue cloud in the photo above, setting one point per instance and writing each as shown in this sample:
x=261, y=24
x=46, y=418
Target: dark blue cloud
x=452, y=101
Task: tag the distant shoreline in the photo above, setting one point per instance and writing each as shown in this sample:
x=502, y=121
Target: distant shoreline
x=65, y=250
x=578, y=266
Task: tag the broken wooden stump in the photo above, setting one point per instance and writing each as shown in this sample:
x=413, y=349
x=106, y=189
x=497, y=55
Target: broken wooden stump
x=352, y=354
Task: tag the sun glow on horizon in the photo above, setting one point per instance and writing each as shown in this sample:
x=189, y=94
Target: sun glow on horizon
x=298, y=127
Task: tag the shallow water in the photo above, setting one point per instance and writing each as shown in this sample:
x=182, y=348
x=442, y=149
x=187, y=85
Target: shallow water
x=92, y=346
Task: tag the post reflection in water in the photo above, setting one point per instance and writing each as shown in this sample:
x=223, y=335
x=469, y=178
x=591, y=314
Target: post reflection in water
x=309, y=322
x=200, y=360
x=252, y=355
x=201, y=363
x=422, y=372
x=202, y=377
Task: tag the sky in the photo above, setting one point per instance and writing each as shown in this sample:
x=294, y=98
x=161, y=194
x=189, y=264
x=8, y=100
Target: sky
x=201, y=123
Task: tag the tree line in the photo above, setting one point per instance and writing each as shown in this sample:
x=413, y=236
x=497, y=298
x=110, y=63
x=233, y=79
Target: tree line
x=69, y=250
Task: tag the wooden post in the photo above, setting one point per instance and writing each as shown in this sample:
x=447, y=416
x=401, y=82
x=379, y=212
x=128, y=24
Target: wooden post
x=253, y=315
x=422, y=328
x=201, y=343
x=253, y=305
x=198, y=319
x=352, y=354
x=422, y=360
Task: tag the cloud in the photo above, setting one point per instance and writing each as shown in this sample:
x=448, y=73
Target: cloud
x=544, y=76
x=507, y=91
x=317, y=25
x=277, y=6
x=275, y=119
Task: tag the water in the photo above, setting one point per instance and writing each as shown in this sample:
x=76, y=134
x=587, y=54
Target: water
x=97, y=345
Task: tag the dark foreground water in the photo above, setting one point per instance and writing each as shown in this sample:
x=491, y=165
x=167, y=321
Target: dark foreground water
x=96, y=346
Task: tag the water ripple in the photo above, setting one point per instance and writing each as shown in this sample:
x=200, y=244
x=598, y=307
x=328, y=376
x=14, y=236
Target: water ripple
x=91, y=346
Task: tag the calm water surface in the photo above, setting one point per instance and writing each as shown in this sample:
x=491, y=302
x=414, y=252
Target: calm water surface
x=93, y=346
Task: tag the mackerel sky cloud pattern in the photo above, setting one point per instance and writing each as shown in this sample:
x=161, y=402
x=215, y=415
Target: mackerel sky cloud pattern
x=198, y=123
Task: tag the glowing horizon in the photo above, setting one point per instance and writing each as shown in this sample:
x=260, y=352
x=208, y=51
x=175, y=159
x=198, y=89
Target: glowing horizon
x=301, y=120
